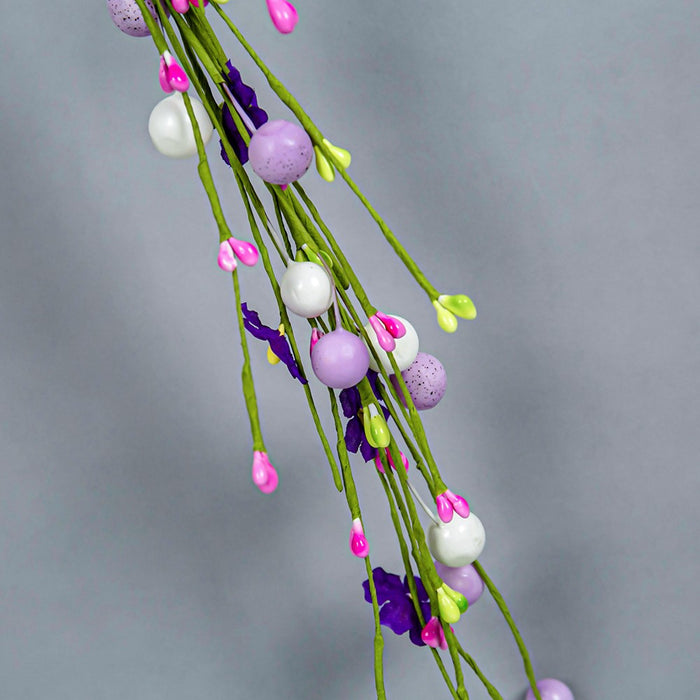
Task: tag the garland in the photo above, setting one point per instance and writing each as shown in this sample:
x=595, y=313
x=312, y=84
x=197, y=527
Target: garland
x=368, y=360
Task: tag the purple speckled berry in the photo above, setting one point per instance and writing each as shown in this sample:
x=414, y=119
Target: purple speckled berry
x=551, y=689
x=426, y=381
x=463, y=579
x=127, y=16
x=340, y=359
x=280, y=152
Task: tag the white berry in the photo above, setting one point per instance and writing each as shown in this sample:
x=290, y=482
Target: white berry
x=170, y=128
x=306, y=289
x=458, y=542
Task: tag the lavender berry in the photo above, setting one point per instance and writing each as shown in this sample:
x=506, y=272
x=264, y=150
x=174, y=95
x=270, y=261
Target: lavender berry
x=551, y=689
x=280, y=152
x=426, y=381
x=463, y=579
x=340, y=359
x=126, y=14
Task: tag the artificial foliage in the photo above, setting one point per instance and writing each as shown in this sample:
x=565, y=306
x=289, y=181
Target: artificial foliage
x=365, y=366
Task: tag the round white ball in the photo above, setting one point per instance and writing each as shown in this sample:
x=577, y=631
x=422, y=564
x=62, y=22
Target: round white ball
x=405, y=352
x=306, y=289
x=170, y=128
x=458, y=542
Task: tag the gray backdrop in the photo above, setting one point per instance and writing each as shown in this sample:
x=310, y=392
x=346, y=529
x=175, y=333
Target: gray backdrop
x=542, y=157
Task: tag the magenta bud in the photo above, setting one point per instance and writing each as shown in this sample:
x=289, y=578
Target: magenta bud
x=358, y=542
x=181, y=5
x=384, y=338
x=380, y=466
x=395, y=328
x=226, y=259
x=163, y=76
x=433, y=634
x=315, y=337
x=459, y=504
x=264, y=474
x=283, y=15
x=246, y=252
x=171, y=76
x=444, y=508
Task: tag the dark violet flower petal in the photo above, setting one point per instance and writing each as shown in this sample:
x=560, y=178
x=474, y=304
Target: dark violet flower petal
x=388, y=586
x=281, y=348
x=425, y=609
x=246, y=98
x=397, y=610
x=415, y=633
x=350, y=401
x=366, y=450
x=420, y=589
x=354, y=434
x=373, y=379
x=398, y=615
x=234, y=137
x=278, y=343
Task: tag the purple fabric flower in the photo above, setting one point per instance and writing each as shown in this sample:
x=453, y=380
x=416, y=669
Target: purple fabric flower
x=278, y=343
x=396, y=607
x=355, y=438
x=246, y=98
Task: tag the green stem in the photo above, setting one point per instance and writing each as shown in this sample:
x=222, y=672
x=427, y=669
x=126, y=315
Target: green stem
x=498, y=598
x=349, y=482
x=247, y=375
x=378, y=639
x=205, y=174
x=491, y=689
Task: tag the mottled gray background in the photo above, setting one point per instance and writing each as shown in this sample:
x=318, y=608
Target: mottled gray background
x=542, y=157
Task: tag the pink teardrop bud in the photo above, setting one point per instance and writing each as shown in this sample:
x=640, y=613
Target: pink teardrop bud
x=283, y=15
x=384, y=338
x=226, y=259
x=264, y=474
x=380, y=466
x=444, y=508
x=272, y=480
x=174, y=75
x=315, y=337
x=393, y=325
x=430, y=634
x=246, y=252
x=358, y=542
x=163, y=76
x=259, y=468
x=181, y=5
x=459, y=504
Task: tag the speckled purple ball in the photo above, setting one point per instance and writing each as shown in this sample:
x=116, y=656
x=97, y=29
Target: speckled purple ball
x=426, y=381
x=127, y=16
x=340, y=359
x=280, y=152
x=463, y=579
x=551, y=689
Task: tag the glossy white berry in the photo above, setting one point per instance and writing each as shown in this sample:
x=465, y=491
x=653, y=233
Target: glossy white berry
x=170, y=128
x=306, y=289
x=458, y=542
